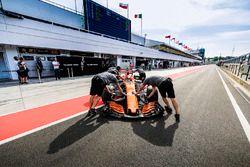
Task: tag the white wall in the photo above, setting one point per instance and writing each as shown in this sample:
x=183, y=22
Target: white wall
x=31, y=33
x=134, y=61
x=119, y=60
x=10, y=52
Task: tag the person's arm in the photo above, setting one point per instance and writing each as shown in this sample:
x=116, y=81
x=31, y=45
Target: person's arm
x=119, y=87
x=107, y=88
x=24, y=65
x=120, y=77
x=153, y=92
x=141, y=88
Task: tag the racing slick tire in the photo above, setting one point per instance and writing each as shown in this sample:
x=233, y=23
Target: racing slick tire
x=160, y=109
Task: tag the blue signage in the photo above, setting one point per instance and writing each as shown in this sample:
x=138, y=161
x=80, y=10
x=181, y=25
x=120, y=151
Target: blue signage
x=105, y=21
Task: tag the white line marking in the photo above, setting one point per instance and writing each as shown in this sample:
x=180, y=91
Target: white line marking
x=243, y=120
x=42, y=127
x=234, y=84
x=242, y=95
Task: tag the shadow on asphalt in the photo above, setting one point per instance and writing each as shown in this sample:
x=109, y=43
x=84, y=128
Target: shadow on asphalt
x=154, y=131
x=77, y=131
x=144, y=128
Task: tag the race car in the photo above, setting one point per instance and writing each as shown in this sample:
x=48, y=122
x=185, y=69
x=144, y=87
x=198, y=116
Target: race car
x=130, y=104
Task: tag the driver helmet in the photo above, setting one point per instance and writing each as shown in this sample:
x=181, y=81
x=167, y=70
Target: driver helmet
x=118, y=68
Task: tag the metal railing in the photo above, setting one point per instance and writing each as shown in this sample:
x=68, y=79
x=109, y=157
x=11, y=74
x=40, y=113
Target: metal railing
x=239, y=66
x=62, y=6
x=241, y=59
x=239, y=69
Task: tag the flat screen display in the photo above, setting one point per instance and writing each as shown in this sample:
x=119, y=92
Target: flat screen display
x=105, y=21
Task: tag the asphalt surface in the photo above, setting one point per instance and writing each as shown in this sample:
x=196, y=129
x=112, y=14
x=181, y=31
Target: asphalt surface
x=209, y=134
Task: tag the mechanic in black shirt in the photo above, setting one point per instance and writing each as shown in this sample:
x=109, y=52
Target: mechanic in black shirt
x=142, y=74
x=164, y=86
x=98, y=84
x=116, y=69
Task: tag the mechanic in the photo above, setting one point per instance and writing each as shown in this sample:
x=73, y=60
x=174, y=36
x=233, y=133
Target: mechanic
x=116, y=73
x=98, y=83
x=142, y=74
x=164, y=85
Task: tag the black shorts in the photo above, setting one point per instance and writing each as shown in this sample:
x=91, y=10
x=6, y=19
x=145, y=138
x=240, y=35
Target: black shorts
x=97, y=86
x=23, y=73
x=167, y=87
x=142, y=76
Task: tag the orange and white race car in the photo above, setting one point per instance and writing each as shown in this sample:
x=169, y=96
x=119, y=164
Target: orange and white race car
x=130, y=104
